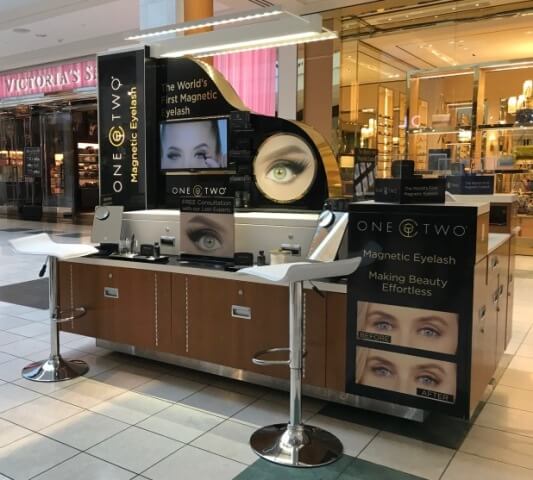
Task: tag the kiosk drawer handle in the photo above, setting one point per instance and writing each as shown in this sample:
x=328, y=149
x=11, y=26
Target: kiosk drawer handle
x=238, y=311
x=110, y=292
x=257, y=360
x=495, y=262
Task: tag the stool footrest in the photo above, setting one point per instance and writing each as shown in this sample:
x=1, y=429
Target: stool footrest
x=257, y=360
x=75, y=313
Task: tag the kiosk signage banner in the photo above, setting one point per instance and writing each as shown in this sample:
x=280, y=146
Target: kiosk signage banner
x=410, y=304
x=122, y=129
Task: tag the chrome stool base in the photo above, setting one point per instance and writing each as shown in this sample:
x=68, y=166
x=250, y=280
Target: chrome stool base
x=55, y=369
x=297, y=446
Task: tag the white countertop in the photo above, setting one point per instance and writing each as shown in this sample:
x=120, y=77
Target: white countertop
x=197, y=271
x=495, y=198
x=497, y=239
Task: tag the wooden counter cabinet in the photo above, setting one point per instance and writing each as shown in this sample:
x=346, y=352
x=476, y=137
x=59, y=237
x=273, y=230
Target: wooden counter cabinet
x=123, y=305
x=229, y=321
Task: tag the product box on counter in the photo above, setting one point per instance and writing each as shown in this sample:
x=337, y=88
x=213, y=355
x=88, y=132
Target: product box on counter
x=470, y=184
x=410, y=190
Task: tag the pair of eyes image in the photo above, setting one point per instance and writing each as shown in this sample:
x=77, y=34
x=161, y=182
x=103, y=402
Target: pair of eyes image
x=404, y=373
x=207, y=234
x=411, y=327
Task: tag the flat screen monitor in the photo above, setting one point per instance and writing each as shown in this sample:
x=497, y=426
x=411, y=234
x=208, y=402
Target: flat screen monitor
x=193, y=145
x=439, y=159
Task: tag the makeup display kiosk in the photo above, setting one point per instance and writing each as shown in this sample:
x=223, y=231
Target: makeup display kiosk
x=207, y=186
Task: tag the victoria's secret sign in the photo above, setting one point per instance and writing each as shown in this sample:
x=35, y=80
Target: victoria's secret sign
x=48, y=79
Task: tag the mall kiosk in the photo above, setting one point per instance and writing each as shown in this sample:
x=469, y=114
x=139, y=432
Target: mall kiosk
x=215, y=186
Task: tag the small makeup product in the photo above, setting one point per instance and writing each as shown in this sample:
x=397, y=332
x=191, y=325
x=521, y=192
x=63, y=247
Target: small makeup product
x=157, y=250
x=279, y=256
x=243, y=258
x=147, y=250
x=261, y=259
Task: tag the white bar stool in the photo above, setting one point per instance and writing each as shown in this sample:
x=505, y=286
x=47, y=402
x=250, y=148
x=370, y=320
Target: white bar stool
x=295, y=444
x=55, y=368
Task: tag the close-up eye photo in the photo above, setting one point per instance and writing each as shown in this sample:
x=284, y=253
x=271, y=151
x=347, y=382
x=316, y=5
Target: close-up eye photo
x=285, y=168
x=418, y=328
x=404, y=373
x=194, y=145
x=207, y=234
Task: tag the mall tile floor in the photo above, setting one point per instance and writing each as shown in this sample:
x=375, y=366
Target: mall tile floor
x=131, y=418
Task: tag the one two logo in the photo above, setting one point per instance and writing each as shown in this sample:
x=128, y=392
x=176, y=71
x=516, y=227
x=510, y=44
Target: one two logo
x=408, y=228
x=116, y=136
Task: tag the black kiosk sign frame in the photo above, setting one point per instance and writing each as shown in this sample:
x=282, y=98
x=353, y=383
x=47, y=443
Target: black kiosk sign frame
x=410, y=305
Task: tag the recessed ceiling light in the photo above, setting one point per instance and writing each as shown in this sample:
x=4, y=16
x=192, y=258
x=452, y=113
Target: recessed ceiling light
x=21, y=30
x=41, y=35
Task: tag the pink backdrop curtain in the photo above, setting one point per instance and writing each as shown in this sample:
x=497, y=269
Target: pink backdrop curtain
x=253, y=76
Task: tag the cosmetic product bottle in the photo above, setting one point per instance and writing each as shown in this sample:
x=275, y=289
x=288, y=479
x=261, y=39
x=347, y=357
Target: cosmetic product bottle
x=261, y=259
x=157, y=250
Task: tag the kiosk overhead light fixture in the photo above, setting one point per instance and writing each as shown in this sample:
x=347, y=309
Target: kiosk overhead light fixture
x=277, y=32
x=257, y=14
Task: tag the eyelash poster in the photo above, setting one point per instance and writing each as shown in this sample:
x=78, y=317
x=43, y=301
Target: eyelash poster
x=207, y=227
x=410, y=304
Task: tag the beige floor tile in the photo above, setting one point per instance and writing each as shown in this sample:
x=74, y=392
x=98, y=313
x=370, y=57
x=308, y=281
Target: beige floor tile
x=194, y=463
x=525, y=350
x=218, y=402
x=506, y=419
x=22, y=348
x=33, y=329
x=181, y=423
x=126, y=377
x=353, y=437
x=263, y=412
x=85, y=467
x=98, y=363
x=47, y=388
x=12, y=370
x=512, y=397
x=7, y=322
x=40, y=413
x=131, y=407
x=9, y=432
x=467, y=467
x=229, y=439
x=408, y=455
x=12, y=396
x=170, y=388
x=32, y=455
x=135, y=449
x=6, y=338
x=310, y=405
x=6, y=357
x=88, y=393
x=84, y=430
x=502, y=446
x=519, y=373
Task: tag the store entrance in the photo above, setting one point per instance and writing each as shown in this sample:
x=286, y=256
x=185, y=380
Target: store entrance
x=49, y=161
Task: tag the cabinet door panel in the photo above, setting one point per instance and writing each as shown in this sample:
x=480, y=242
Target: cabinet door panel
x=219, y=330
x=123, y=305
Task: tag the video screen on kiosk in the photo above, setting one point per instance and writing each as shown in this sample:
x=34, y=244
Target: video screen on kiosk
x=194, y=144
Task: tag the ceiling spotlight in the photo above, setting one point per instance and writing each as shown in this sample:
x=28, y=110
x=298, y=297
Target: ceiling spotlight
x=21, y=30
x=41, y=35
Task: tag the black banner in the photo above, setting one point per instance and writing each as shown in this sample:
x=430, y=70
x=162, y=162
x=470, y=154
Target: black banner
x=32, y=162
x=187, y=91
x=122, y=129
x=410, y=305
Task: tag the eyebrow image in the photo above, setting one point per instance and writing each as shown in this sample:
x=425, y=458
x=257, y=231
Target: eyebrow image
x=382, y=316
x=433, y=318
x=383, y=361
x=207, y=222
x=287, y=150
x=201, y=145
x=432, y=366
x=178, y=149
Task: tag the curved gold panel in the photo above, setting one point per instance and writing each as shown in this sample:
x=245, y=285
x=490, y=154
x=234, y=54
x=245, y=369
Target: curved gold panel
x=223, y=85
x=331, y=167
